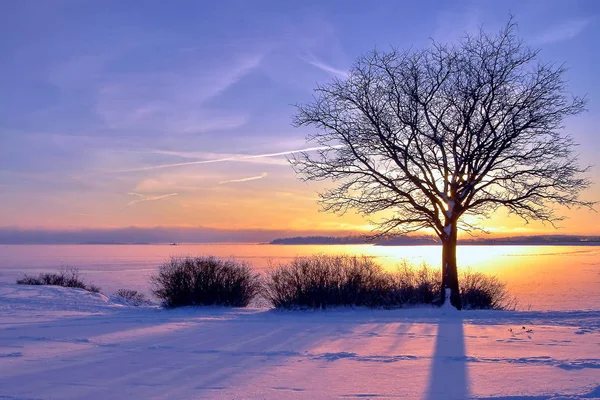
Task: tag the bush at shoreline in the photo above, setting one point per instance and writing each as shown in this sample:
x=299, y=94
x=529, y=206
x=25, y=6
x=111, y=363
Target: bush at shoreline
x=205, y=281
x=326, y=281
x=132, y=297
x=315, y=282
x=480, y=291
x=320, y=282
x=66, y=277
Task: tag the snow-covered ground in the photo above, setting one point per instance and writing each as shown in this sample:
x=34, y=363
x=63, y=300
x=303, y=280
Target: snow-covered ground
x=58, y=343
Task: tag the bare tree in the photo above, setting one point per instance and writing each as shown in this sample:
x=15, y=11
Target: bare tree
x=421, y=139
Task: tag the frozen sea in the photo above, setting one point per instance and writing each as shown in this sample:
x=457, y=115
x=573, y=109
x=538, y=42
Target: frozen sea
x=541, y=277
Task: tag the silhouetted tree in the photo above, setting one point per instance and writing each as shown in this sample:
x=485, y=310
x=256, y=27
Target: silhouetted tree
x=430, y=136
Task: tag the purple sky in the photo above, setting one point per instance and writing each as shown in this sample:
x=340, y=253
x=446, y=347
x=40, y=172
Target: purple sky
x=156, y=113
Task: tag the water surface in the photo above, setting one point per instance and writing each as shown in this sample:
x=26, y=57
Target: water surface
x=541, y=277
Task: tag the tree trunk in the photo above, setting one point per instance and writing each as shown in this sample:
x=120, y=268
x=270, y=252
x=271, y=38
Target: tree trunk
x=449, y=269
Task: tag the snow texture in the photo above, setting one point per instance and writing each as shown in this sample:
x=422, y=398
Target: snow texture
x=448, y=229
x=450, y=208
x=59, y=343
x=447, y=306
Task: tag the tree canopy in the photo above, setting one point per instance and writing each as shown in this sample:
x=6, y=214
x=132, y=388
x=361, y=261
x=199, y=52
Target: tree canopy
x=450, y=130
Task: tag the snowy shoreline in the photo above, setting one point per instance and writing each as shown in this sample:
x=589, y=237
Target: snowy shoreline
x=60, y=343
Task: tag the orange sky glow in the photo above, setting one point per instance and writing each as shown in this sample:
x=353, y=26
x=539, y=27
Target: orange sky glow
x=136, y=124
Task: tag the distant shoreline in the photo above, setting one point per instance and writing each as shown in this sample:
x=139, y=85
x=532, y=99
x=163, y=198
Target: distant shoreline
x=582, y=244
x=403, y=241
x=540, y=240
x=572, y=244
x=158, y=236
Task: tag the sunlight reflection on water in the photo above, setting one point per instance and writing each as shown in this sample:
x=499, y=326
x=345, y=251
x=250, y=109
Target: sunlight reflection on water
x=544, y=277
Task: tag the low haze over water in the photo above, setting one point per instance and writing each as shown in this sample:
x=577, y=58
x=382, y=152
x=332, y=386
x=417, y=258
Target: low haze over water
x=541, y=277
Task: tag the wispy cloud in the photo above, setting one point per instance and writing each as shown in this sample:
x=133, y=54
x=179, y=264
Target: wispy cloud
x=176, y=101
x=331, y=70
x=226, y=159
x=143, y=198
x=205, y=156
x=251, y=178
x=565, y=31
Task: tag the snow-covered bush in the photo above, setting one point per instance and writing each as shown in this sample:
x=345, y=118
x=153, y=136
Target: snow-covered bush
x=205, y=281
x=326, y=281
x=132, y=297
x=66, y=277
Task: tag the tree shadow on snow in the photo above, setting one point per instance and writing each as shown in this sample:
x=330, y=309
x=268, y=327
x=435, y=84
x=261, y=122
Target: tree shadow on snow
x=448, y=378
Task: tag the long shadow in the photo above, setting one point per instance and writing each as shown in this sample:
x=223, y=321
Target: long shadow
x=448, y=379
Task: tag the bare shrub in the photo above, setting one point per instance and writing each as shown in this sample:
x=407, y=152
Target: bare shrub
x=415, y=285
x=205, y=281
x=479, y=291
x=66, y=277
x=328, y=281
x=132, y=297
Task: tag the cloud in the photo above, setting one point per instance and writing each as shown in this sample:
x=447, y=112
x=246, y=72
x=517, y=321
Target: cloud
x=252, y=178
x=237, y=157
x=176, y=101
x=204, y=155
x=147, y=198
x=565, y=31
x=341, y=73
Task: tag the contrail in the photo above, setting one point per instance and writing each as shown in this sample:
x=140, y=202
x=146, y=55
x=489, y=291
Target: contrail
x=233, y=158
x=151, y=198
x=252, y=178
x=329, y=69
x=312, y=60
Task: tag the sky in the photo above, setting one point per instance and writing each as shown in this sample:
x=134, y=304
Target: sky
x=178, y=114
